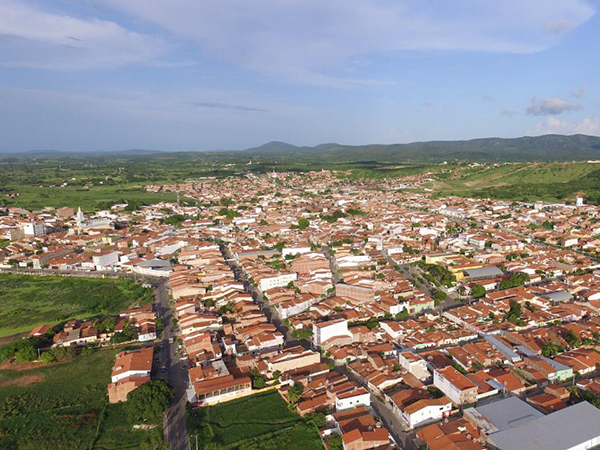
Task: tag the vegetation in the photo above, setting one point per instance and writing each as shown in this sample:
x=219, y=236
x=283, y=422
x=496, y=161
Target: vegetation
x=28, y=301
x=478, y=291
x=64, y=405
x=260, y=421
x=515, y=280
x=148, y=402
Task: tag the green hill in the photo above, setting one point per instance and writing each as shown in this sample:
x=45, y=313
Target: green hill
x=539, y=148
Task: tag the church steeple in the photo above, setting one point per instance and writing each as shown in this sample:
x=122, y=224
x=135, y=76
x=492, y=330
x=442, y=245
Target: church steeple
x=80, y=217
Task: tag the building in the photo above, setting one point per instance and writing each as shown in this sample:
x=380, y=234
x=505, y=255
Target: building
x=131, y=370
x=455, y=385
x=360, y=293
x=34, y=229
x=352, y=399
x=136, y=363
x=574, y=428
x=105, y=260
x=281, y=280
x=293, y=358
x=427, y=410
x=216, y=390
x=323, y=332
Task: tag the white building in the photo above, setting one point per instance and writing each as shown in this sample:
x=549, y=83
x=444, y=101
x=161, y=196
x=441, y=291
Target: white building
x=426, y=411
x=281, y=280
x=322, y=332
x=352, y=399
x=294, y=251
x=34, y=229
x=105, y=260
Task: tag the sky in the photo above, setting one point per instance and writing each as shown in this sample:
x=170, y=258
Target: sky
x=198, y=75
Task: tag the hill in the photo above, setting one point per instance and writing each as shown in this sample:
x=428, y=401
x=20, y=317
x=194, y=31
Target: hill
x=550, y=147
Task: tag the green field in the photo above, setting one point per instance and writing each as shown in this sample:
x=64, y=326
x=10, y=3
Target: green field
x=27, y=301
x=64, y=406
x=524, y=181
x=260, y=421
x=89, y=199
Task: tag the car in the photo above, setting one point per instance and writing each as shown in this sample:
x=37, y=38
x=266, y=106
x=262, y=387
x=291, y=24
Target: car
x=163, y=369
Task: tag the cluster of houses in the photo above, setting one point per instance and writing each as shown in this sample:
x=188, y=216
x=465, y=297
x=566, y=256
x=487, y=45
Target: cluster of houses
x=354, y=290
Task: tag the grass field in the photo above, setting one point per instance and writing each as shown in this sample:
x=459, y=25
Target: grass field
x=260, y=421
x=27, y=301
x=89, y=199
x=526, y=182
x=61, y=407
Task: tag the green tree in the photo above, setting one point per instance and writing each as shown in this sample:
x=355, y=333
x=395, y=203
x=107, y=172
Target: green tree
x=303, y=224
x=295, y=392
x=478, y=291
x=551, y=349
x=26, y=354
x=440, y=296
x=148, y=402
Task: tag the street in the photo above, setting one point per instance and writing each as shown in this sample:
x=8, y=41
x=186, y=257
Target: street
x=174, y=426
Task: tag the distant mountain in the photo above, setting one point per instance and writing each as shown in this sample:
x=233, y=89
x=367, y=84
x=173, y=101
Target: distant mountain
x=550, y=147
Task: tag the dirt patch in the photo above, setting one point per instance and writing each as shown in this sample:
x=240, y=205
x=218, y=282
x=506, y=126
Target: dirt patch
x=23, y=381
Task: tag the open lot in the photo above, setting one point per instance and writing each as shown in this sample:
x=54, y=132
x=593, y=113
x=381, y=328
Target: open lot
x=261, y=421
x=63, y=406
x=27, y=301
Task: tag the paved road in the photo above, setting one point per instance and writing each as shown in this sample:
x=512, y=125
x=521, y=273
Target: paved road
x=174, y=420
x=390, y=420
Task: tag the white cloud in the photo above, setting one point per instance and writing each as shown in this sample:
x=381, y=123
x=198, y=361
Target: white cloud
x=317, y=42
x=550, y=106
x=30, y=37
x=552, y=125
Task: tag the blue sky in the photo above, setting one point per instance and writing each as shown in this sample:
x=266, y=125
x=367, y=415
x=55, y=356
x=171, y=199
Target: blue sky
x=202, y=75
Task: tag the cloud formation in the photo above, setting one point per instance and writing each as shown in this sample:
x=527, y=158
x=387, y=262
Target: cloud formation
x=227, y=106
x=31, y=37
x=550, y=107
x=552, y=125
x=316, y=42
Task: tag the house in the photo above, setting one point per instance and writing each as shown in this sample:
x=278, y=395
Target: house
x=327, y=331
x=455, y=385
x=216, y=390
x=131, y=370
x=352, y=399
x=135, y=363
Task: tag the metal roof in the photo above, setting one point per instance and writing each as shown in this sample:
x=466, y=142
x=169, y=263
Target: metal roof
x=491, y=272
x=577, y=426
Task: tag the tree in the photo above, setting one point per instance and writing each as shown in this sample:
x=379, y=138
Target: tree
x=551, y=349
x=258, y=381
x=26, y=354
x=440, y=296
x=148, y=402
x=295, y=392
x=572, y=339
x=303, y=224
x=478, y=291
x=47, y=357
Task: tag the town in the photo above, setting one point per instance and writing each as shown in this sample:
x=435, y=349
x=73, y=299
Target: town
x=381, y=314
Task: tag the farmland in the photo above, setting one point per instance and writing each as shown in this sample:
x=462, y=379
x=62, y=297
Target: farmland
x=260, y=421
x=64, y=406
x=27, y=301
